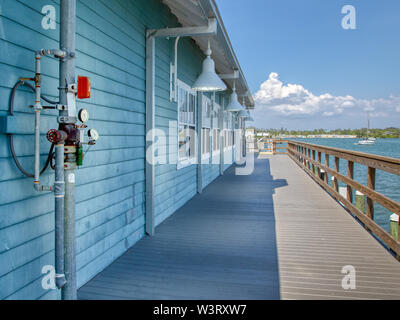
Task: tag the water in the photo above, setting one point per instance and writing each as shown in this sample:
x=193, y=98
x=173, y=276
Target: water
x=386, y=183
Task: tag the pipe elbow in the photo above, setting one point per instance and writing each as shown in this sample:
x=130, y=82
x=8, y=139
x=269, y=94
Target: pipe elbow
x=60, y=281
x=39, y=188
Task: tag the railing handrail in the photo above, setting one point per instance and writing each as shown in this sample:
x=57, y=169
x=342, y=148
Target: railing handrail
x=384, y=163
x=309, y=157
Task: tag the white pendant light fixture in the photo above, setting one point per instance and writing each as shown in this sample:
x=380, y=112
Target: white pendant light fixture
x=208, y=80
x=243, y=114
x=234, y=105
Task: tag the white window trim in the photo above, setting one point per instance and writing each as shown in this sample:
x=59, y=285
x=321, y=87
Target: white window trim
x=185, y=162
x=207, y=155
x=216, y=152
x=215, y=125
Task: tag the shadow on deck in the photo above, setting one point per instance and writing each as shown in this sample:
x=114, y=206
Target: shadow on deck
x=254, y=237
x=219, y=245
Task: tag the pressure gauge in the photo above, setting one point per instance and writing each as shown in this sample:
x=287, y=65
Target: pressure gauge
x=83, y=115
x=93, y=134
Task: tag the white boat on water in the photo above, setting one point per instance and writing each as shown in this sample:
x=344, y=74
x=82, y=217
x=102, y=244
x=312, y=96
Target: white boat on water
x=368, y=140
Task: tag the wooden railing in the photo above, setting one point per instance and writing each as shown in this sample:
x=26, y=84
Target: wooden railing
x=309, y=157
x=274, y=146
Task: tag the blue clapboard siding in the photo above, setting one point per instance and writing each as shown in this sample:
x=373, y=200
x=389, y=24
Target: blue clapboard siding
x=110, y=189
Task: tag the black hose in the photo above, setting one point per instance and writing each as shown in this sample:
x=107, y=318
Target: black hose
x=28, y=85
x=29, y=175
x=11, y=137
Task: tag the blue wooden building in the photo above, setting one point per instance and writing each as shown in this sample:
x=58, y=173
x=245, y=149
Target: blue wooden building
x=114, y=206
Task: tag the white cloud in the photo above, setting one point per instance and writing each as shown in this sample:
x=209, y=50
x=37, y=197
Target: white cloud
x=293, y=100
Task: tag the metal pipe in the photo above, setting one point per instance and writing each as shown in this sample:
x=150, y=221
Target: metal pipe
x=37, y=149
x=38, y=108
x=67, y=77
x=59, y=192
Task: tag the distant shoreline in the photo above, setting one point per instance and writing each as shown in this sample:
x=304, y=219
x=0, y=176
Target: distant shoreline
x=302, y=137
x=328, y=134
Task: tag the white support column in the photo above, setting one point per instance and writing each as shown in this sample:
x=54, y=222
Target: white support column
x=150, y=123
x=221, y=136
x=207, y=30
x=199, y=142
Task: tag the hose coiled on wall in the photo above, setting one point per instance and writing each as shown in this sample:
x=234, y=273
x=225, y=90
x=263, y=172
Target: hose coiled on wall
x=11, y=136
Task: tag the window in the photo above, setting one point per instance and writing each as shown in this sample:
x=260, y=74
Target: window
x=206, y=129
x=216, y=131
x=216, y=140
x=186, y=125
x=206, y=143
x=228, y=127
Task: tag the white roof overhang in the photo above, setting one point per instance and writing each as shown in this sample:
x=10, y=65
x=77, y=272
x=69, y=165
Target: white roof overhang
x=196, y=13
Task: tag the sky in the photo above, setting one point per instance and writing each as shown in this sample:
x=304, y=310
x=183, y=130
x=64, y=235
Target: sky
x=306, y=71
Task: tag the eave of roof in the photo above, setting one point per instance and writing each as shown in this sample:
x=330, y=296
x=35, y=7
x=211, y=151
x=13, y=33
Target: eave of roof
x=195, y=13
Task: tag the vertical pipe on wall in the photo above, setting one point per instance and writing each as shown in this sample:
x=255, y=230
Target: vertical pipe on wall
x=59, y=192
x=67, y=77
x=37, y=148
x=150, y=119
x=38, y=108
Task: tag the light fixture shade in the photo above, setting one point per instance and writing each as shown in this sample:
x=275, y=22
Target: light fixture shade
x=208, y=79
x=243, y=114
x=250, y=118
x=234, y=105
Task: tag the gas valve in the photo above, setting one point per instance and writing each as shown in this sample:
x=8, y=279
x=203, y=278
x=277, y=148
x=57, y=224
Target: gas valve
x=55, y=136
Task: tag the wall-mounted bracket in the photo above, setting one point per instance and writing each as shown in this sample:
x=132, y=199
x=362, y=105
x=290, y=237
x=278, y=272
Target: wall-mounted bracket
x=230, y=76
x=66, y=120
x=209, y=30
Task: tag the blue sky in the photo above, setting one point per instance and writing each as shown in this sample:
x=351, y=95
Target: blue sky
x=319, y=75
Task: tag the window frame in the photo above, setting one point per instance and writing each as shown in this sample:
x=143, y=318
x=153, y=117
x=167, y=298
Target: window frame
x=206, y=126
x=228, y=130
x=185, y=124
x=215, y=130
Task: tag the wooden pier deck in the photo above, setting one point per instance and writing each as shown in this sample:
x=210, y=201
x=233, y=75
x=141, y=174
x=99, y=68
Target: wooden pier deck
x=274, y=234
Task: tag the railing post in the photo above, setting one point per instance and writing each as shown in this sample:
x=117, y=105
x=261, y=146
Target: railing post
x=327, y=165
x=371, y=185
x=350, y=174
x=319, y=161
x=313, y=165
x=335, y=180
x=273, y=147
x=360, y=201
x=394, y=226
x=394, y=229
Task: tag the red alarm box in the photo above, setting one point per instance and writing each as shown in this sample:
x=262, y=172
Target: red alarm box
x=83, y=87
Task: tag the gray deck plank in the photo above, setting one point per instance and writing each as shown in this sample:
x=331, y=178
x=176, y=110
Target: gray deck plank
x=220, y=245
x=316, y=238
x=274, y=234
